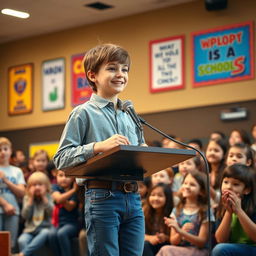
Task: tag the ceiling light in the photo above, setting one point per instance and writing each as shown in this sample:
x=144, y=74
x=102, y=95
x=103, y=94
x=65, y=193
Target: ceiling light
x=15, y=13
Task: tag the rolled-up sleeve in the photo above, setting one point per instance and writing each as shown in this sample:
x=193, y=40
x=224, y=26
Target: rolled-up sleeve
x=72, y=150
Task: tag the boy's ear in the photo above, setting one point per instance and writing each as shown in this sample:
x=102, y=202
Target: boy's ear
x=91, y=75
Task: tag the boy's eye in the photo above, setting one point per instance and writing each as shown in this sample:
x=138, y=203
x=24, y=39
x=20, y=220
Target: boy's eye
x=125, y=70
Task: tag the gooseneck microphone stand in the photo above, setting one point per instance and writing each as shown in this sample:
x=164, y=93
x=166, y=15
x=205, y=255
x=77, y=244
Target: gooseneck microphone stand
x=206, y=168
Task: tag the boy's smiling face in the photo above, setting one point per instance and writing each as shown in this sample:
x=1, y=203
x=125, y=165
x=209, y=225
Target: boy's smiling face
x=111, y=79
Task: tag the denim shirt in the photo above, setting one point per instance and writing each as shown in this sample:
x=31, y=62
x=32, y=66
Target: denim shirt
x=91, y=122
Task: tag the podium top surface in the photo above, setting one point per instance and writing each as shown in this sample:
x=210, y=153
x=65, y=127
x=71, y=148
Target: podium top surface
x=126, y=161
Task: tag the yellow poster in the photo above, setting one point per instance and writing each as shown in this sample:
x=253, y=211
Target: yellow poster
x=49, y=147
x=20, y=89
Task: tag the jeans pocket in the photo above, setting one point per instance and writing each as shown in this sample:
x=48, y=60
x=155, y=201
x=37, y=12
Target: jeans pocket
x=99, y=195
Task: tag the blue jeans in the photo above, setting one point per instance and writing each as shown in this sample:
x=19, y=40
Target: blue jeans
x=114, y=223
x=31, y=242
x=60, y=239
x=226, y=249
x=11, y=224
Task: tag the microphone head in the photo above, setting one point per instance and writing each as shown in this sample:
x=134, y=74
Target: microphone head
x=127, y=104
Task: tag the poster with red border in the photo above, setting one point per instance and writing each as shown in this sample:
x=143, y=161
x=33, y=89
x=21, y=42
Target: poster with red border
x=223, y=54
x=80, y=88
x=166, y=64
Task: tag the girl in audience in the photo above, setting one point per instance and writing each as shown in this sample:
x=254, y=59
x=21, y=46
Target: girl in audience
x=192, y=164
x=239, y=136
x=240, y=153
x=217, y=135
x=65, y=215
x=188, y=221
x=236, y=233
x=215, y=155
x=40, y=161
x=159, y=204
x=164, y=176
x=36, y=211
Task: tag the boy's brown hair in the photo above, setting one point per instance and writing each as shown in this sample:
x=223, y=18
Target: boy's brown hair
x=102, y=54
x=5, y=141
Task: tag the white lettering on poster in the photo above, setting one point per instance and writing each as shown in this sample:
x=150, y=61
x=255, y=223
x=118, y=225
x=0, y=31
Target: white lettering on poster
x=167, y=64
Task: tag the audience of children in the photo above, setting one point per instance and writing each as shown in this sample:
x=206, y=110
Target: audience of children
x=158, y=205
x=191, y=164
x=41, y=161
x=65, y=215
x=12, y=188
x=188, y=221
x=215, y=155
x=36, y=211
x=234, y=214
x=164, y=176
x=236, y=233
x=239, y=136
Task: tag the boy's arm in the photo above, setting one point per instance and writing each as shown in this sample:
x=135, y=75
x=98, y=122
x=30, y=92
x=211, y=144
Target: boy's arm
x=61, y=198
x=17, y=189
x=72, y=150
x=9, y=209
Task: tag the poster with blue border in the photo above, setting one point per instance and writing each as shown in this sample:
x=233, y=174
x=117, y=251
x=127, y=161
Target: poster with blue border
x=223, y=54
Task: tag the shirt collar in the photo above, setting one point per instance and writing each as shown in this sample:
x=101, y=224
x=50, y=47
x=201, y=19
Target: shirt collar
x=101, y=102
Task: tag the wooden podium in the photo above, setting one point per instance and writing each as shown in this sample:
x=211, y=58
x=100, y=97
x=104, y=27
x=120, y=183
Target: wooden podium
x=129, y=162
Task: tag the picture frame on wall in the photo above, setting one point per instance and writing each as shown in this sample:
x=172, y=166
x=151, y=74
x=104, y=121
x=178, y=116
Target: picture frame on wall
x=80, y=89
x=166, y=64
x=20, y=89
x=53, y=84
x=223, y=54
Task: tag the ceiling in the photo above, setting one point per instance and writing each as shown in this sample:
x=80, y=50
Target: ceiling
x=48, y=16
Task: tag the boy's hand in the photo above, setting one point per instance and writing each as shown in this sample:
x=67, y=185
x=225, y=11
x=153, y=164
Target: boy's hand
x=31, y=192
x=110, y=143
x=9, y=209
x=2, y=175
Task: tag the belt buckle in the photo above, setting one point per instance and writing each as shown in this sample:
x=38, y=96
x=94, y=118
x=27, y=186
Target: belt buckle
x=133, y=187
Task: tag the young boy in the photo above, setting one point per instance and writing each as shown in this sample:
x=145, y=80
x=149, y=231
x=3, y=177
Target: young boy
x=12, y=186
x=114, y=218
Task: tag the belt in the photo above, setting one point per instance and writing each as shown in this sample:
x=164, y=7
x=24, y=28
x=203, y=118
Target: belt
x=126, y=187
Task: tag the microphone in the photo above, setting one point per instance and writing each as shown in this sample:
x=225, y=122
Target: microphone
x=128, y=108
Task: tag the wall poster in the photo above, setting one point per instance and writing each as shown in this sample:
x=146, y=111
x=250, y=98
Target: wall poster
x=20, y=89
x=53, y=84
x=166, y=64
x=81, y=90
x=223, y=54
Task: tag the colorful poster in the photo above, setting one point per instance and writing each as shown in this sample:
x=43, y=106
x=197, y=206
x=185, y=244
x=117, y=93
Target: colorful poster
x=53, y=84
x=223, y=55
x=20, y=89
x=49, y=147
x=166, y=64
x=81, y=90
